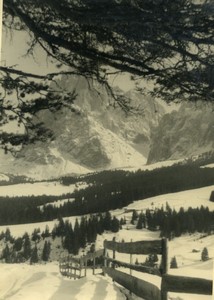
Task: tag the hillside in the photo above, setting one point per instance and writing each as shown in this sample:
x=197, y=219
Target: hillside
x=31, y=279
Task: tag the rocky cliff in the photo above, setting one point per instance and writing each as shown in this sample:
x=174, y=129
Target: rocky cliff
x=183, y=133
x=97, y=137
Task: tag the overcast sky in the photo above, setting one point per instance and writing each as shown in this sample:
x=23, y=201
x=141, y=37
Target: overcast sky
x=14, y=47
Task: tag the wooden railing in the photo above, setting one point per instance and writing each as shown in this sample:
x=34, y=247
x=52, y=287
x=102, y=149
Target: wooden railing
x=142, y=288
x=77, y=268
x=138, y=286
x=135, y=285
x=183, y=284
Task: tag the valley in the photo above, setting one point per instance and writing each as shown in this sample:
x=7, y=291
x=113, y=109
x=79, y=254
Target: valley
x=107, y=150
x=187, y=248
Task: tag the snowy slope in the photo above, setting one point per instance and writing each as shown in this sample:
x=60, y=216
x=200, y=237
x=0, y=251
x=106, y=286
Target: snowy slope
x=25, y=282
x=44, y=281
x=190, y=198
x=36, y=189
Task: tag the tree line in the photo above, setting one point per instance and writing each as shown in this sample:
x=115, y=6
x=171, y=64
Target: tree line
x=106, y=191
x=72, y=238
x=172, y=223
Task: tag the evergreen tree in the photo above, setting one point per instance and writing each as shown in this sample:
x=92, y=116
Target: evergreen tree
x=18, y=244
x=6, y=254
x=212, y=196
x=173, y=263
x=8, y=237
x=204, y=254
x=60, y=228
x=46, y=251
x=36, y=235
x=115, y=225
x=2, y=235
x=151, y=260
x=69, y=237
x=92, y=248
x=34, y=256
x=76, y=240
x=100, y=225
x=134, y=217
x=107, y=221
x=82, y=230
x=140, y=222
x=46, y=233
x=26, y=246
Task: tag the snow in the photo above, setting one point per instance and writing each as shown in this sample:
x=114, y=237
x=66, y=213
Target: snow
x=4, y=177
x=67, y=165
x=157, y=165
x=24, y=282
x=57, y=203
x=44, y=281
x=19, y=230
x=208, y=166
x=53, y=188
x=190, y=198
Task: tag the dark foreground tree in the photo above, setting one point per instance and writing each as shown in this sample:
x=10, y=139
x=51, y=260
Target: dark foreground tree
x=168, y=43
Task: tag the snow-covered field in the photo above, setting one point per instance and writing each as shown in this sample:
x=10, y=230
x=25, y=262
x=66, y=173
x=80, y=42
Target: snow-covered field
x=190, y=198
x=157, y=165
x=39, y=188
x=44, y=281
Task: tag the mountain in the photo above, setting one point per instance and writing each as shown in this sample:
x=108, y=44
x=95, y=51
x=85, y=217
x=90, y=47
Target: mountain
x=95, y=136
x=186, y=132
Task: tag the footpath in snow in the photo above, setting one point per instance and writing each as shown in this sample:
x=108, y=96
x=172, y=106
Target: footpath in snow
x=26, y=282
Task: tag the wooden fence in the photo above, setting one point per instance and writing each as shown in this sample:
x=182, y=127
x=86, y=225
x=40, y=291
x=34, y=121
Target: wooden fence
x=142, y=288
x=77, y=267
x=138, y=286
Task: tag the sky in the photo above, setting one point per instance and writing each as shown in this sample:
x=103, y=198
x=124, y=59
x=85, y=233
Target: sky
x=14, y=47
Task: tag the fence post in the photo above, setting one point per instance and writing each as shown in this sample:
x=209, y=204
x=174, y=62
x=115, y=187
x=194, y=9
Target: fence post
x=86, y=267
x=105, y=261
x=93, y=265
x=131, y=262
x=164, y=293
x=114, y=254
x=80, y=271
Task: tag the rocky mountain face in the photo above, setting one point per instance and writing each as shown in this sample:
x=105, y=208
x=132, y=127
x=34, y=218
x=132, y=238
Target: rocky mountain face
x=97, y=137
x=183, y=133
x=102, y=137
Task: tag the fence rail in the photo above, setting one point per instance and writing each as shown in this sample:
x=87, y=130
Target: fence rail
x=144, y=289
x=73, y=267
x=138, y=286
x=139, y=268
x=140, y=247
x=183, y=284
